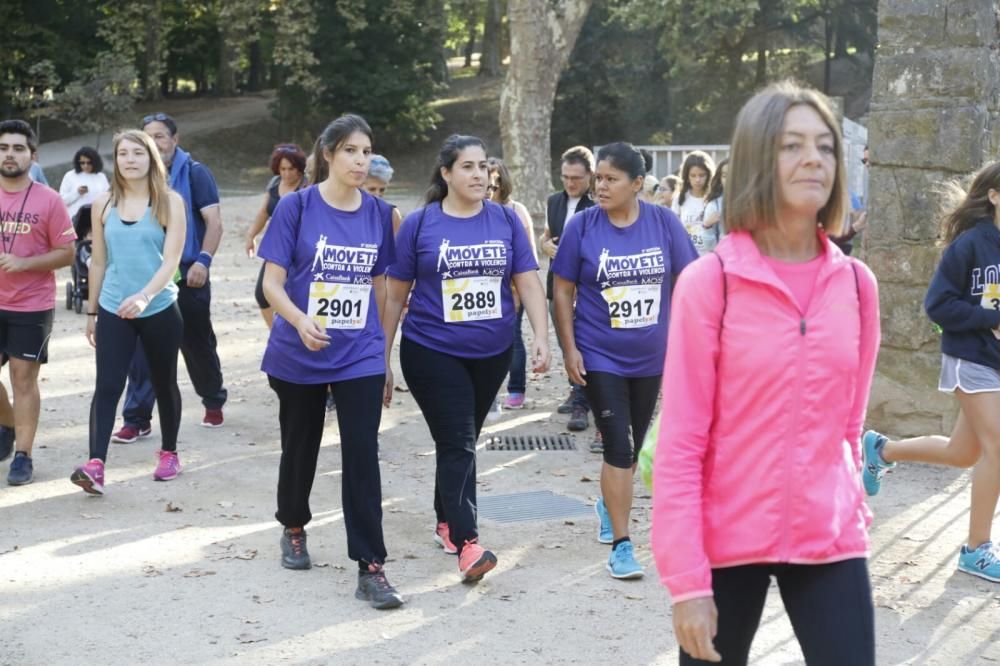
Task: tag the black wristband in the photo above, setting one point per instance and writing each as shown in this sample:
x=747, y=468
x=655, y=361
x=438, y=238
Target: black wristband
x=91, y=314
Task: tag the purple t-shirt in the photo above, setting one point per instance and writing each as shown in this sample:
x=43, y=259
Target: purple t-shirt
x=462, y=302
x=331, y=257
x=623, y=279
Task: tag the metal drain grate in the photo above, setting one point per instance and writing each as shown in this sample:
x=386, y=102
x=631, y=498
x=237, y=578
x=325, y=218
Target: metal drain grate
x=538, y=505
x=531, y=443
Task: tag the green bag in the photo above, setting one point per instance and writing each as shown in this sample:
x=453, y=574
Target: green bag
x=647, y=452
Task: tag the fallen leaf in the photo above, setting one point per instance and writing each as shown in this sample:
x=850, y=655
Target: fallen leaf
x=402, y=389
x=410, y=556
x=91, y=516
x=558, y=472
x=172, y=509
x=634, y=597
x=321, y=565
x=198, y=573
x=150, y=571
x=247, y=554
x=257, y=600
x=586, y=479
x=247, y=620
x=568, y=522
x=247, y=639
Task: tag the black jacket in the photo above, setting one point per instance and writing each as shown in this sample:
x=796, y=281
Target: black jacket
x=555, y=220
x=959, y=298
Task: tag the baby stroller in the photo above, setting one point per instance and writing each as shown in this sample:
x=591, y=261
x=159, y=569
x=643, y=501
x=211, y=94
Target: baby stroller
x=76, y=291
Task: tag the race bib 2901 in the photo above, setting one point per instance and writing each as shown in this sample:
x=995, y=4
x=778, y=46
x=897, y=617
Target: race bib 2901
x=337, y=305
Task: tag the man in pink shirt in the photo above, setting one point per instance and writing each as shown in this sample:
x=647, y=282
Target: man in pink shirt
x=36, y=238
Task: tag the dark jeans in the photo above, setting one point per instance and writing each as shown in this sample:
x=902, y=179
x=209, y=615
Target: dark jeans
x=576, y=390
x=198, y=346
x=518, y=380
x=301, y=415
x=117, y=340
x=455, y=395
x=622, y=405
x=829, y=605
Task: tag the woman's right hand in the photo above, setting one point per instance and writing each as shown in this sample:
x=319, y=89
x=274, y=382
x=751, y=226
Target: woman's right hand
x=696, y=623
x=574, y=366
x=251, y=245
x=92, y=331
x=313, y=336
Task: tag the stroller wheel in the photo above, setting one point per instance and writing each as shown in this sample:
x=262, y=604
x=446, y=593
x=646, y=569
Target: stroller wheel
x=78, y=304
x=69, y=296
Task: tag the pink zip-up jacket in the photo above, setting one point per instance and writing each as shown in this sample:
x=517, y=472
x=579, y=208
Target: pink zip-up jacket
x=759, y=452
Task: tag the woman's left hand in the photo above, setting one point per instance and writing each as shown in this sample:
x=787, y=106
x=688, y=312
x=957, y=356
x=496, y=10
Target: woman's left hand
x=540, y=355
x=387, y=393
x=133, y=306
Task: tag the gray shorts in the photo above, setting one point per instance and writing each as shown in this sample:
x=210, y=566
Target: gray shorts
x=957, y=373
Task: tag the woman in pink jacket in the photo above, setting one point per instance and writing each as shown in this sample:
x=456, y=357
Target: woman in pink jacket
x=772, y=349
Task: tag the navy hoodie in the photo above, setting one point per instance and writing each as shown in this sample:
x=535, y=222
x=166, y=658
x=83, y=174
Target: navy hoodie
x=960, y=299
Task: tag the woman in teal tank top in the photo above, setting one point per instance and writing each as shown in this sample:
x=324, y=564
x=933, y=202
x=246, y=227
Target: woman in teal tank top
x=138, y=239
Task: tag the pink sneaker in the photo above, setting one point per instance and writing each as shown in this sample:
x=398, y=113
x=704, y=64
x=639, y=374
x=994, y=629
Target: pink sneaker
x=90, y=477
x=168, y=466
x=514, y=401
x=475, y=561
x=443, y=539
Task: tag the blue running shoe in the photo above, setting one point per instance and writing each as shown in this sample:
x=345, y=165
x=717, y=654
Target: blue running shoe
x=873, y=467
x=604, y=533
x=983, y=562
x=622, y=563
x=21, y=470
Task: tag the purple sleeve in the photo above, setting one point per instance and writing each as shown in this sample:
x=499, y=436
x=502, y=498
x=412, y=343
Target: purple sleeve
x=404, y=267
x=387, y=248
x=524, y=258
x=278, y=244
x=567, y=260
x=682, y=250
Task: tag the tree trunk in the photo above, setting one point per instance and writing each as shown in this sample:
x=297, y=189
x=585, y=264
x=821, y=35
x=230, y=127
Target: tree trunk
x=489, y=62
x=827, y=45
x=227, y=75
x=470, y=45
x=542, y=34
x=152, y=65
x=256, y=67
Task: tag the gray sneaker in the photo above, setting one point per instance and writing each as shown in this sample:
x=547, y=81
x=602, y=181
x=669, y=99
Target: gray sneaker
x=375, y=588
x=21, y=470
x=6, y=442
x=567, y=406
x=578, y=420
x=294, y=554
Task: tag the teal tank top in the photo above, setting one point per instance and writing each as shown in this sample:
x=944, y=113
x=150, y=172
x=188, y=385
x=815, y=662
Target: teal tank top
x=135, y=253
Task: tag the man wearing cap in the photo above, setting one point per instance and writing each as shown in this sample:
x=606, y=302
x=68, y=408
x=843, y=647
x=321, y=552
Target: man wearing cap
x=196, y=185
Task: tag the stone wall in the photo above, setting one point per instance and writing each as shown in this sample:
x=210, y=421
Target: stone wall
x=935, y=115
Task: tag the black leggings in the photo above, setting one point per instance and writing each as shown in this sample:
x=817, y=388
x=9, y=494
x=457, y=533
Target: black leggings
x=620, y=404
x=116, y=342
x=301, y=415
x=455, y=394
x=829, y=605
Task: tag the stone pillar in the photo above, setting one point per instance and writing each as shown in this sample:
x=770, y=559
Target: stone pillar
x=935, y=115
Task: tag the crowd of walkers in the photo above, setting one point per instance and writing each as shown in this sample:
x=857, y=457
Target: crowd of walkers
x=720, y=293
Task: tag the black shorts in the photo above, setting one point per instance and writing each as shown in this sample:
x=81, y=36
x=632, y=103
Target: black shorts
x=258, y=291
x=25, y=335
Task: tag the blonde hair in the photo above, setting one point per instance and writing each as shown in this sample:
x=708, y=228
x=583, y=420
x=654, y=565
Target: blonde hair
x=965, y=204
x=159, y=191
x=752, y=190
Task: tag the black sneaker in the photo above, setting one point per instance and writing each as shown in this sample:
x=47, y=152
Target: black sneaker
x=294, y=554
x=578, y=421
x=6, y=442
x=21, y=470
x=567, y=406
x=375, y=588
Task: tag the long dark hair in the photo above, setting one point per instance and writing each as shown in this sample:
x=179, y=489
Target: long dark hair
x=697, y=158
x=715, y=188
x=332, y=138
x=506, y=185
x=450, y=149
x=962, y=210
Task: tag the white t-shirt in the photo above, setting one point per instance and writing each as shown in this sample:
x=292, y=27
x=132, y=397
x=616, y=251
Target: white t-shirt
x=95, y=182
x=570, y=209
x=691, y=216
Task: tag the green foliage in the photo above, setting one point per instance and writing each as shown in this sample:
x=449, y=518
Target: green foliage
x=104, y=97
x=373, y=57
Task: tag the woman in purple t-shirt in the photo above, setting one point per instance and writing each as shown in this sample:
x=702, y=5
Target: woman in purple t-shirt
x=327, y=249
x=617, y=261
x=463, y=253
